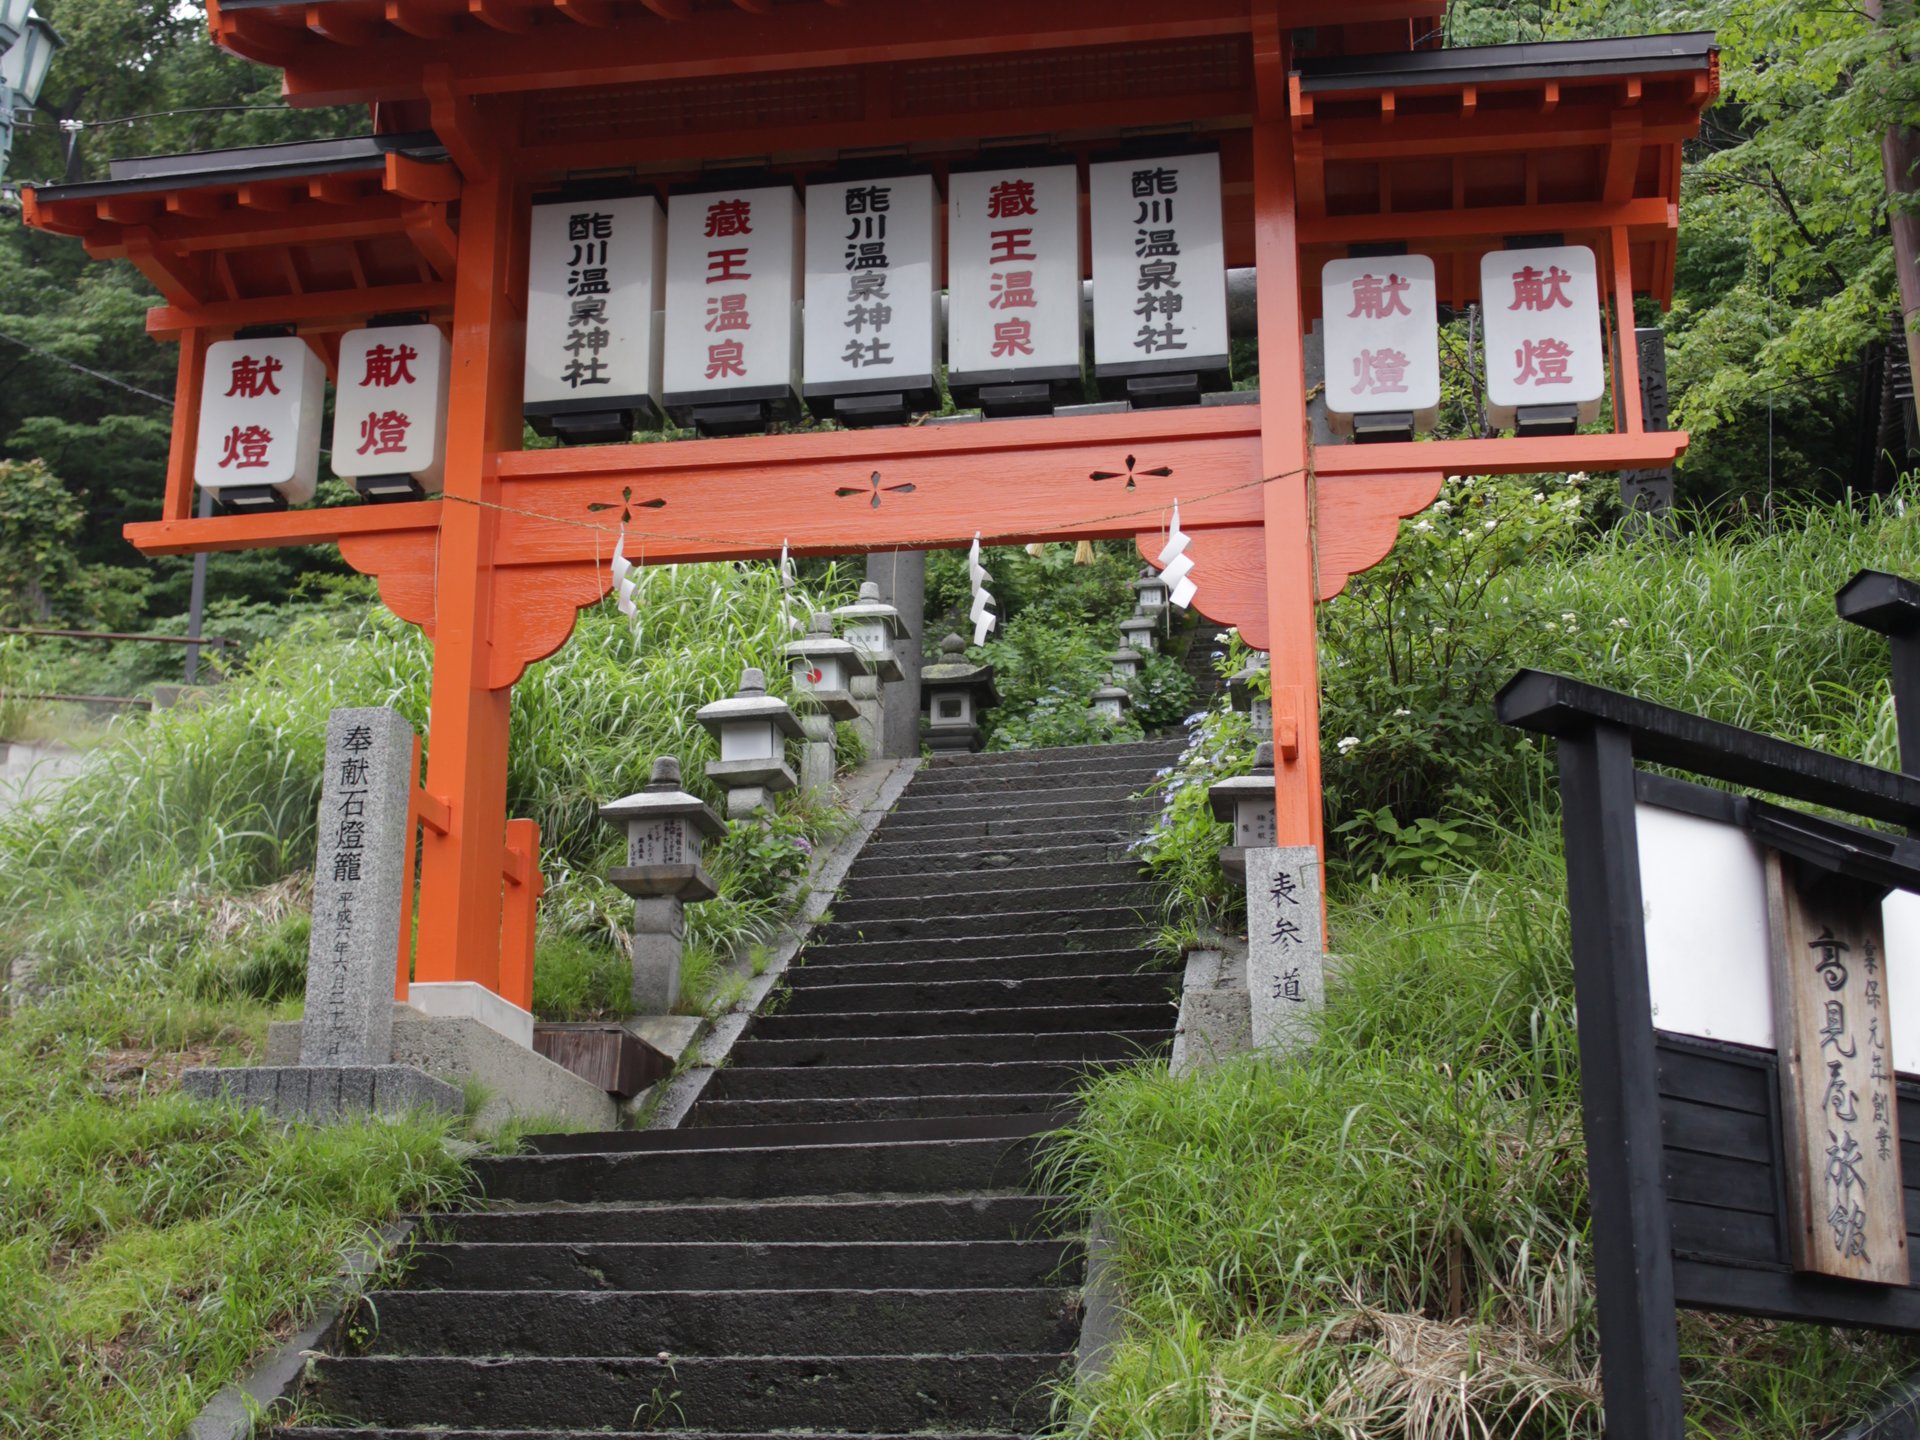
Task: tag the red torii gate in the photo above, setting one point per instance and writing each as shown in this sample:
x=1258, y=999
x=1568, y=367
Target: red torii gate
x=1338, y=124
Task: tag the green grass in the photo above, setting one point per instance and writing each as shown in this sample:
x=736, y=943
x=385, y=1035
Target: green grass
x=153, y=917
x=1387, y=1236
x=150, y=1245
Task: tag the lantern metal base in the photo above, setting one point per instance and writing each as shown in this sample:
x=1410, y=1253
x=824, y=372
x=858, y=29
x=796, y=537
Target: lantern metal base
x=247, y=499
x=387, y=489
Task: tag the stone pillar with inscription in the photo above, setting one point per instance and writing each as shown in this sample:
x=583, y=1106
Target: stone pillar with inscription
x=361, y=872
x=666, y=828
x=1286, y=963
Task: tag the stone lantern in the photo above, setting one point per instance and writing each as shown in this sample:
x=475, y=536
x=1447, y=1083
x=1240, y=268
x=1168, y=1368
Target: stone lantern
x=954, y=693
x=1126, y=662
x=1138, y=632
x=823, y=669
x=1245, y=694
x=752, y=729
x=1246, y=802
x=871, y=626
x=1150, y=594
x=666, y=828
x=1112, y=701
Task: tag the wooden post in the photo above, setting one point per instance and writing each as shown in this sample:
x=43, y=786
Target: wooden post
x=1846, y=1211
x=461, y=870
x=1619, y=1091
x=1284, y=459
x=524, y=887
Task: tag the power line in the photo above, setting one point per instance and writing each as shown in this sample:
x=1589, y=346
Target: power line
x=76, y=365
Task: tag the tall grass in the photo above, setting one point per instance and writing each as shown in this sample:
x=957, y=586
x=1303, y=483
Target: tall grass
x=128, y=865
x=150, y=1244
x=1387, y=1236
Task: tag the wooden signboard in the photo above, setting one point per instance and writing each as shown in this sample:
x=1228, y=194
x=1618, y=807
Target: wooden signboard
x=1841, y=1125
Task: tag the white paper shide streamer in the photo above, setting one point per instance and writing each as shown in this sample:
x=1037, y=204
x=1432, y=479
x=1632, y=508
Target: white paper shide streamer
x=623, y=585
x=789, y=585
x=1174, y=564
x=982, y=611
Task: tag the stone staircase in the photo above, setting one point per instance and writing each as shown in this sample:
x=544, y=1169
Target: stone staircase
x=845, y=1235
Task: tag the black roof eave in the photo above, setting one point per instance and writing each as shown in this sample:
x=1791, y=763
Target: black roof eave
x=157, y=174
x=1536, y=60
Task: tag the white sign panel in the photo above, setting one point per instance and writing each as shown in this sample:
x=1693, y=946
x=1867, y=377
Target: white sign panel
x=390, y=403
x=1159, y=263
x=873, y=304
x=1544, y=342
x=260, y=412
x=596, y=278
x=1381, y=319
x=1704, y=892
x=733, y=294
x=1013, y=270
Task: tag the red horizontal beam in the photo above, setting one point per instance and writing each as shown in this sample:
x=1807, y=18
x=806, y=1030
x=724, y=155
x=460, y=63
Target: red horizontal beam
x=713, y=41
x=287, y=527
x=316, y=312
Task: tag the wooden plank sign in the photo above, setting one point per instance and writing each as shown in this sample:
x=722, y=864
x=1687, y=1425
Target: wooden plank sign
x=1841, y=1125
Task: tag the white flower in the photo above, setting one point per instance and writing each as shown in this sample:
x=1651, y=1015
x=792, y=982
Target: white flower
x=1578, y=477
x=1421, y=527
x=1491, y=524
x=1620, y=622
x=1538, y=496
x=1569, y=617
x=1550, y=627
x=1403, y=711
x=1443, y=507
x=1347, y=742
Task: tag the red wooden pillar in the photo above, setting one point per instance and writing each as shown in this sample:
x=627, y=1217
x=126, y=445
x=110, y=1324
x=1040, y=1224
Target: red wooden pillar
x=462, y=869
x=1286, y=458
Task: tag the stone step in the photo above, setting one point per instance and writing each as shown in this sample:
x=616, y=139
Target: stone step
x=719, y=1114
x=842, y=1081
x=992, y=969
x=744, y=1265
x=1052, y=755
x=810, y=994
x=904, y=1167
x=740, y=1321
x=1103, y=824
x=972, y=902
x=1010, y=779
x=939, y=1051
x=998, y=1019
x=776, y=1137
x=971, y=1216
x=1036, y=792
x=738, y=1393
x=1066, y=811
x=982, y=858
x=1026, y=925
x=327, y=1432
x=1019, y=873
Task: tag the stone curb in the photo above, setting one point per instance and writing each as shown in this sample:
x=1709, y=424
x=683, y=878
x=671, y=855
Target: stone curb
x=230, y=1414
x=872, y=791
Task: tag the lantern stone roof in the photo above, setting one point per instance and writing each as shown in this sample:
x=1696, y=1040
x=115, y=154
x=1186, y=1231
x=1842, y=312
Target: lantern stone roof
x=820, y=643
x=1256, y=785
x=1126, y=653
x=955, y=671
x=663, y=799
x=871, y=607
x=750, y=702
x=1114, y=692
